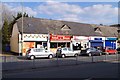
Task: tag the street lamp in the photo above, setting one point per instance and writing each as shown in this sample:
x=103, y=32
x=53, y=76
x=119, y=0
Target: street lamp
x=22, y=31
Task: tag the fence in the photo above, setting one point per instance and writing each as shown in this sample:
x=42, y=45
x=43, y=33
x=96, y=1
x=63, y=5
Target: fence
x=19, y=62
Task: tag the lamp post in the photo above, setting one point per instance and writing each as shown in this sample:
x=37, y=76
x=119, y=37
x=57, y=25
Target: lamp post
x=22, y=31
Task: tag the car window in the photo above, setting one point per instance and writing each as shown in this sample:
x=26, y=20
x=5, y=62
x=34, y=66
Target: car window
x=69, y=49
x=64, y=49
x=58, y=49
x=38, y=50
x=41, y=50
x=94, y=49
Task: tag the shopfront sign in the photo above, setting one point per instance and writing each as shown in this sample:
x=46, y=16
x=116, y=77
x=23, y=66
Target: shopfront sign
x=35, y=37
x=80, y=38
x=60, y=38
x=97, y=38
x=111, y=38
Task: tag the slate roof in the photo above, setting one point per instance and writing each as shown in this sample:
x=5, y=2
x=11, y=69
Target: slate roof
x=45, y=26
x=108, y=31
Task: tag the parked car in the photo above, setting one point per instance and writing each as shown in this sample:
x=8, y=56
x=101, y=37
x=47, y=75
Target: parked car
x=91, y=52
x=33, y=53
x=64, y=52
x=110, y=50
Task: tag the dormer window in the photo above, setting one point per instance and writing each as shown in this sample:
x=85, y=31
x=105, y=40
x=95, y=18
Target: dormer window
x=65, y=27
x=97, y=29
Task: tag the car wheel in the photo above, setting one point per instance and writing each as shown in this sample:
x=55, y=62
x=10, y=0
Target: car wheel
x=76, y=55
x=89, y=54
x=32, y=57
x=63, y=56
x=50, y=56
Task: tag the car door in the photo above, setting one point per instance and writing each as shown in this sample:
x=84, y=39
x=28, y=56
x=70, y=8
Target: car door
x=96, y=51
x=43, y=53
x=65, y=51
x=93, y=50
x=36, y=52
x=71, y=53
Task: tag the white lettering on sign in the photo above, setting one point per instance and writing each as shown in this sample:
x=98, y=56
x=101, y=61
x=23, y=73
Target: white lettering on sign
x=60, y=37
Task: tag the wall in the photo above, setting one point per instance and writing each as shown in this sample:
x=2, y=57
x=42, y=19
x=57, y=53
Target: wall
x=14, y=40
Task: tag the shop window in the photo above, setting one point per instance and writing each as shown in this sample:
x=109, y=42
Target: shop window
x=44, y=44
x=77, y=47
x=38, y=44
x=68, y=44
x=62, y=44
x=53, y=45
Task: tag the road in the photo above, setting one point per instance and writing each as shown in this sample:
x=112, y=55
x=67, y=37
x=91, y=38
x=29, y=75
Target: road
x=22, y=63
x=92, y=70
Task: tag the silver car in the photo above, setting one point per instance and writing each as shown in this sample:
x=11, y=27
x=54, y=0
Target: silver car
x=91, y=52
x=63, y=52
x=33, y=53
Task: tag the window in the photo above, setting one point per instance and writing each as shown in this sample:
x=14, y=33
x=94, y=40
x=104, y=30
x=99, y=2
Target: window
x=45, y=44
x=53, y=45
x=69, y=49
x=41, y=50
x=68, y=44
x=64, y=49
x=77, y=47
x=62, y=44
x=59, y=44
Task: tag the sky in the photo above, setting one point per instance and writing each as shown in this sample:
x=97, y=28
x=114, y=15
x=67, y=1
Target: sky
x=83, y=12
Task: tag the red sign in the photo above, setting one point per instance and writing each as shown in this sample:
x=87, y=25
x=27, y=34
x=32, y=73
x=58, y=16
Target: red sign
x=59, y=37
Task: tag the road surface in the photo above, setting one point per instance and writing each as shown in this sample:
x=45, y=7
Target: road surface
x=93, y=70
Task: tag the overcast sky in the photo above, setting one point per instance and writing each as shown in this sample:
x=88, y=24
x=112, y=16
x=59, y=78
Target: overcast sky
x=83, y=12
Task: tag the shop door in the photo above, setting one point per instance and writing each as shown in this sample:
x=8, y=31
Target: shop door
x=111, y=44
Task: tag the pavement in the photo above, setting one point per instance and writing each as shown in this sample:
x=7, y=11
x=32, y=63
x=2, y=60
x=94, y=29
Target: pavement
x=6, y=54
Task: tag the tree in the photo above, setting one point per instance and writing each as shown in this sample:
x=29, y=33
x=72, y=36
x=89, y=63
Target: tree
x=5, y=32
x=19, y=15
x=7, y=27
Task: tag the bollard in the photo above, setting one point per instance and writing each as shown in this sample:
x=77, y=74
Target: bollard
x=11, y=59
x=76, y=60
x=33, y=61
x=92, y=59
x=105, y=56
x=57, y=61
x=4, y=58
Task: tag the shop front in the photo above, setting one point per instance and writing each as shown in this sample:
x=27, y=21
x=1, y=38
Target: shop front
x=33, y=41
x=111, y=42
x=80, y=42
x=59, y=41
x=97, y=42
